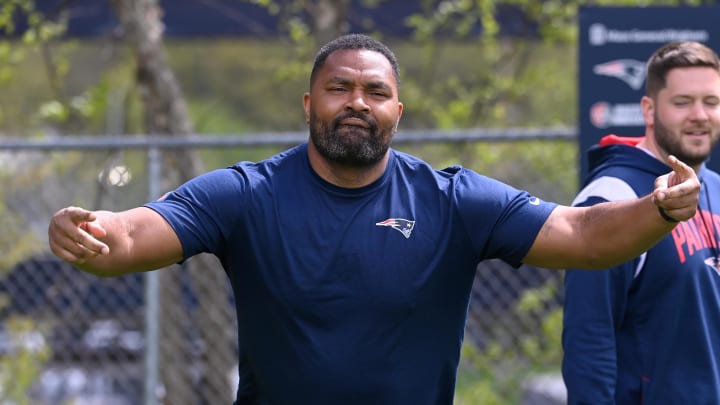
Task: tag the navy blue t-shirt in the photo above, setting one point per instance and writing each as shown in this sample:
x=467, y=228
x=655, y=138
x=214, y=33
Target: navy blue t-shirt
x=351, y=296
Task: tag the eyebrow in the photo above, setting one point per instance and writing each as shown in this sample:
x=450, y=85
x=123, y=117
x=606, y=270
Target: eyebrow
x=376, y=84
x=692, y=97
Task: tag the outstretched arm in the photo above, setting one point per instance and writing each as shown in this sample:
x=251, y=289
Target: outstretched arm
x=113, y=243
x=610, y=233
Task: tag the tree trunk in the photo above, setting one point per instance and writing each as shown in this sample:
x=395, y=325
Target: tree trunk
x=329, y=18
x=189, y=376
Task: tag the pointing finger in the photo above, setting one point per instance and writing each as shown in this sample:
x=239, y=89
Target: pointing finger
x=677, y=192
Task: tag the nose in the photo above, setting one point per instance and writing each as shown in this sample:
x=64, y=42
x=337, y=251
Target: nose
x=356, y=102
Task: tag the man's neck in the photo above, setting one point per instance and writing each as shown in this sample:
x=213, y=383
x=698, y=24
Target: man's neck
x=343, y=175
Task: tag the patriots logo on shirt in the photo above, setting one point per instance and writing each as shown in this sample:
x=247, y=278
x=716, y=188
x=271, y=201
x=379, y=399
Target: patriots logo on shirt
x=713, y=263
x=404, y=226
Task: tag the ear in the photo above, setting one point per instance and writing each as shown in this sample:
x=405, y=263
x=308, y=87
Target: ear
x=397, y=122
x=647, y=105
x=306, y=106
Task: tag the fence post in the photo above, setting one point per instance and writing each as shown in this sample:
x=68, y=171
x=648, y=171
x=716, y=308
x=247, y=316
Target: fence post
x=152, y=291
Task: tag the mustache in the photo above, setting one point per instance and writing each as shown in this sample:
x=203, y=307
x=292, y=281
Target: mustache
x=368, y=119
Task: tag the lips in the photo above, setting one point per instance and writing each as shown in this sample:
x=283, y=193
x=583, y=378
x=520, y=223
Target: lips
x=354, y=122
x=697, y=133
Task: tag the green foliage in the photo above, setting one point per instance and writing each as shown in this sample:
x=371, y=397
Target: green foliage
x=39, y=40
x=236, y=79
x=492, y=375
x=21, y=367
x=460, y=82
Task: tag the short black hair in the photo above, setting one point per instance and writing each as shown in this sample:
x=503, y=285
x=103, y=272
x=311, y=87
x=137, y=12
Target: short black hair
x=354, y=41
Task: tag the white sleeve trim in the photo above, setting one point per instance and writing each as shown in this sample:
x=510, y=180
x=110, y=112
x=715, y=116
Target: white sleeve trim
x=610, y=189
x=607, y=188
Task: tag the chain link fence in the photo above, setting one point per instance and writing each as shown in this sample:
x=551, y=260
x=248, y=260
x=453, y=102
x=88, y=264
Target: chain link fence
x=169, y=336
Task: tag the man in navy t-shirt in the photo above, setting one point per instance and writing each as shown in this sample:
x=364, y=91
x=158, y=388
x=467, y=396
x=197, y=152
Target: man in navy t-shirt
x=352, y=263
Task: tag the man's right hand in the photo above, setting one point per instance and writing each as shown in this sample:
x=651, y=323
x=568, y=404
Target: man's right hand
x=74, y=235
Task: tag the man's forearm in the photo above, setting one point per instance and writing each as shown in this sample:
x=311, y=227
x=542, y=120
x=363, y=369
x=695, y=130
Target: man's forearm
x=617, y=235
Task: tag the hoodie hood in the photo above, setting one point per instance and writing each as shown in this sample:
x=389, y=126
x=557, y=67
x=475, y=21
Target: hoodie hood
x=622, y=152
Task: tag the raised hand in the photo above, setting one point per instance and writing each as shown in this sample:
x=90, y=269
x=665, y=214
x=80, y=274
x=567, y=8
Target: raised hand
x=677, y=192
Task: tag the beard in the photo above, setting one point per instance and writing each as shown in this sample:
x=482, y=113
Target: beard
x=349, y=145
x=673, y=144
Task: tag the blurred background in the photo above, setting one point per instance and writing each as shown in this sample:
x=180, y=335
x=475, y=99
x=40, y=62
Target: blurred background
x=109, y=104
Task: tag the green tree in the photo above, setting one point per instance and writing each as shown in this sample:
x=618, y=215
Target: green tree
x=163, y=111
x=21, y=365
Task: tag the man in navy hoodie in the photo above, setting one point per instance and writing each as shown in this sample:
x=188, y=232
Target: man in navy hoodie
x=648, y=331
